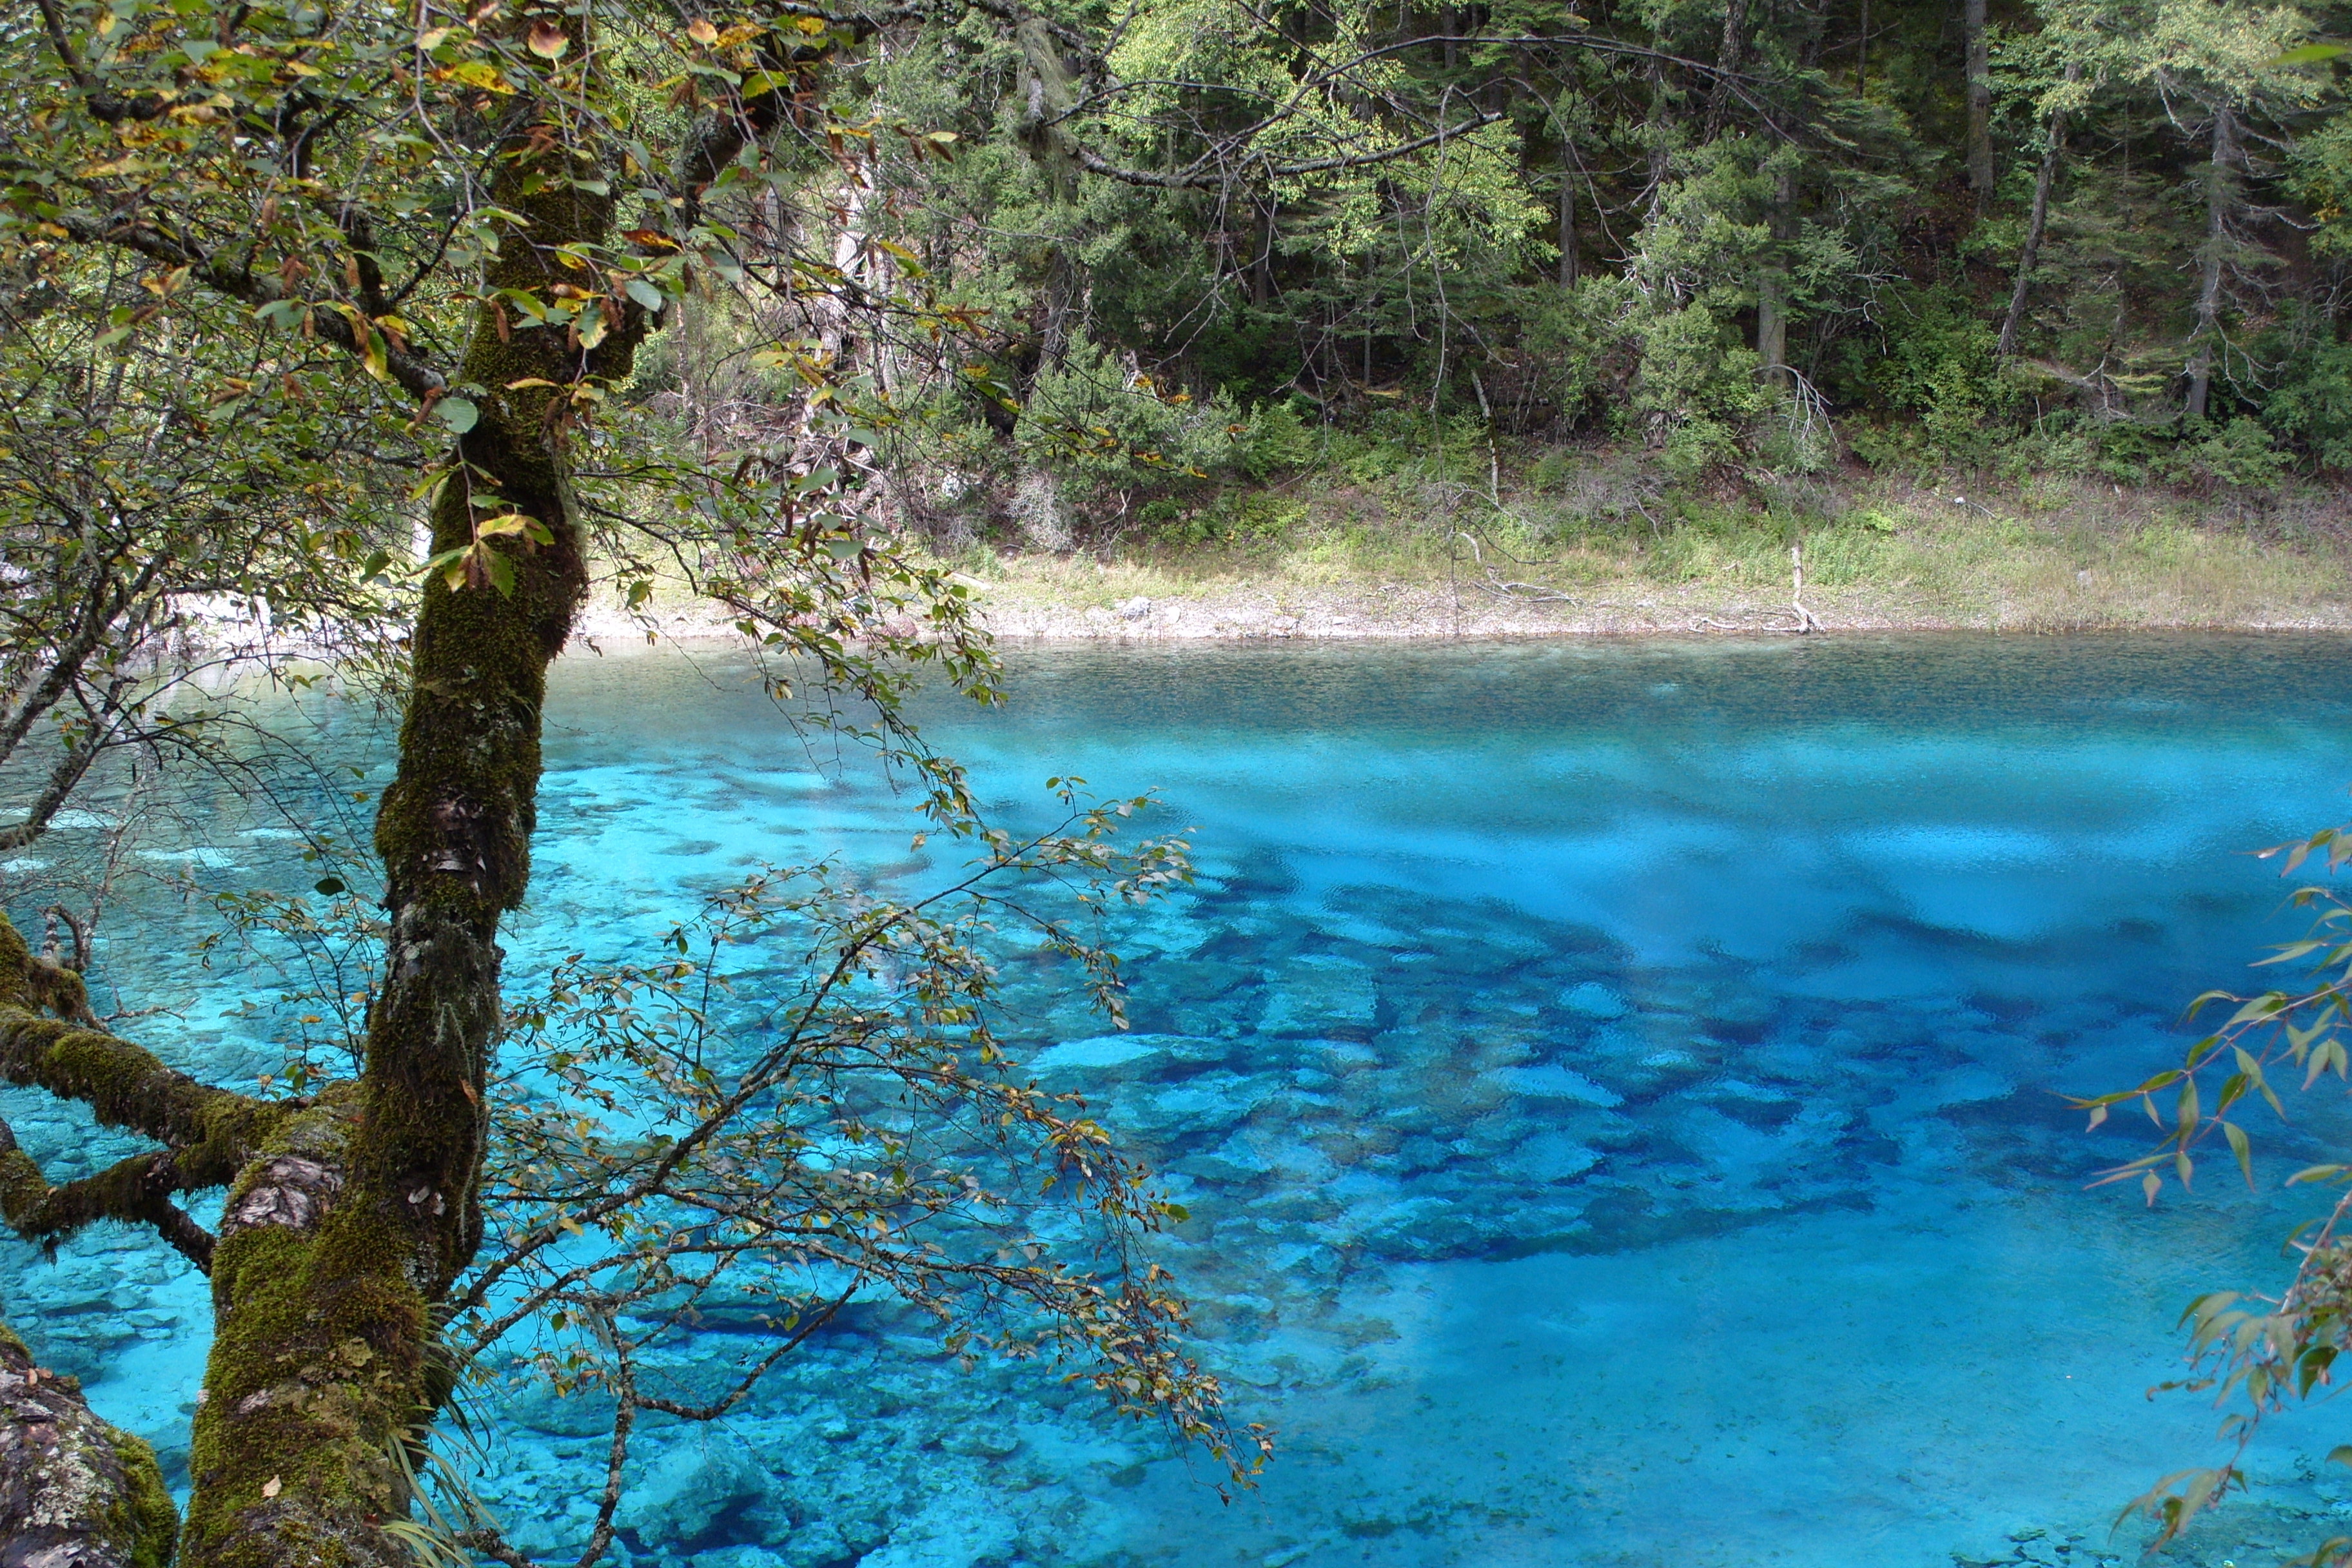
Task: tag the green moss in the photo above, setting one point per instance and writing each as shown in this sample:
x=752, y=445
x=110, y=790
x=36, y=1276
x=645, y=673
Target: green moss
x=145, y=1517
x=316, y=1368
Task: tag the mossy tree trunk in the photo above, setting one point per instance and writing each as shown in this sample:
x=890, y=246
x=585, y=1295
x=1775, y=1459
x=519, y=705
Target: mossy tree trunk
x=337, y=1247
x=75, y=1492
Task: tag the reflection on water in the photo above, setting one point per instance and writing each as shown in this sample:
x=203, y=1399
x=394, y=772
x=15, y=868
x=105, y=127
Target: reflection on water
x=1613, y=1087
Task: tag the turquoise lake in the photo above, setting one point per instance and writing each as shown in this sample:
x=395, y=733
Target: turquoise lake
x=1616, y=1088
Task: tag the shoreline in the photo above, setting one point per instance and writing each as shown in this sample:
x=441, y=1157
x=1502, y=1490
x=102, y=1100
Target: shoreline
x=1247, y=613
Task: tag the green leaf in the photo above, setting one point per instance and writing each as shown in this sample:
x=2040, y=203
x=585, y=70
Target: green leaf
x=459, y=414
x=645, y=294
x=2309, y=54
x=331, y=886
x=451, y=562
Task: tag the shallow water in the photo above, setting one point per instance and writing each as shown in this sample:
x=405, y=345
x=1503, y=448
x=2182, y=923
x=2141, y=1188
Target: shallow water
x=1612, y=1086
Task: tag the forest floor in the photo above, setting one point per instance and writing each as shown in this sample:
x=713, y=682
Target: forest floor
x=1321, y=557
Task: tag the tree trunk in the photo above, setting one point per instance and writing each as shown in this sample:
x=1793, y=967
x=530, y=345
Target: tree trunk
x=1660, y=153
x=2037, y=222
x=336, y=1245
x=1567, y=238
x=2221, y=199
x=1730, y=51
x=1772, y=283
x=74, y=1491
x=1980, y=67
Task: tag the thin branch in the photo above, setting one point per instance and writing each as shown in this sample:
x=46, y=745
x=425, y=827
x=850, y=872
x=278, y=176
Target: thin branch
x=137, y=1190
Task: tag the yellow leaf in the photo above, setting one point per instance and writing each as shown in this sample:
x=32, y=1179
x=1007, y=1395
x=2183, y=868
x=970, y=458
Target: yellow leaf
x=476, y=73
x=702, y=32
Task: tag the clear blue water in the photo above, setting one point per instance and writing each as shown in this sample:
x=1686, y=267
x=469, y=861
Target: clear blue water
x=1615, y=1087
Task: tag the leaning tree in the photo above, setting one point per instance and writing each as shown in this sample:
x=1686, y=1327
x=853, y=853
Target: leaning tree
x=284, y=283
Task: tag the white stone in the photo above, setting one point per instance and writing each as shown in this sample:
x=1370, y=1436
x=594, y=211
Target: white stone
x=1595, y=1000
x=1552, y=1081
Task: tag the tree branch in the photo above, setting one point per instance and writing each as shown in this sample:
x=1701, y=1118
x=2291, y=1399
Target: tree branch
x=137, y=1190
x=411, y=370
x=113, y=108
x=212, y=1130
x=1197, y=174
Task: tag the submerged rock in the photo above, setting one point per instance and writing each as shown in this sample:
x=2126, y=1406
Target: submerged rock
x=1595, y=1001
x=683, y=1493
x=1552, y=1081
x=1321, y=994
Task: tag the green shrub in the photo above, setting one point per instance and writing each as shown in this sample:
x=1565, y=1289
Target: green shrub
x=2239, y=455
x=1697, y=391
x=1582, y=347
x=2310, y=401
x=1935, y=363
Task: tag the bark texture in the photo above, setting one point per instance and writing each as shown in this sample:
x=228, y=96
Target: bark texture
x=1772, y=282
x=340, y=1241
x=75, y=1492
x=1730, y=52
x=1980, y=99
x=2220, y=205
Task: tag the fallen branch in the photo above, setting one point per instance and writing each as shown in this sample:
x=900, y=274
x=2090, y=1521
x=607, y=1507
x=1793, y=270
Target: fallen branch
x=1504, y=588
x=1804, y=620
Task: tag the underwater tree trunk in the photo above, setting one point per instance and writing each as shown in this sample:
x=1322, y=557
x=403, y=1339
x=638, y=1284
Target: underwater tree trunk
x=2220, y=195
x=336, y=1246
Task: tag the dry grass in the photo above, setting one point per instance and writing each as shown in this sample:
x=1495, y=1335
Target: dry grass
x=2048, y=554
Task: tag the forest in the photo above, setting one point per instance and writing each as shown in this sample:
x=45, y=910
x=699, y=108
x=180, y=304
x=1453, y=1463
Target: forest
x=1203, y=243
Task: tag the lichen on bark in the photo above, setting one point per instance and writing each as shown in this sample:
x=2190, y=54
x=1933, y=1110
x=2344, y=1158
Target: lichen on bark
x=75, y=1492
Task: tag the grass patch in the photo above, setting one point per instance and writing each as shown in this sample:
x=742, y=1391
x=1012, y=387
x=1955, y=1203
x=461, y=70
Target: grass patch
x=2045, y=553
